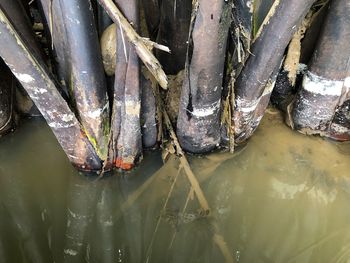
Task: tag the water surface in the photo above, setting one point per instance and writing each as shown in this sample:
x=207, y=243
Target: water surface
x=285, y=197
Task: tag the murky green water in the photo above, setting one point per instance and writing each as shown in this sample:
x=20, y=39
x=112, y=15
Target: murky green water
x=284, y=198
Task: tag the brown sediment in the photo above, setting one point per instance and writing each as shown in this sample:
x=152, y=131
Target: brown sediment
x=172, y=100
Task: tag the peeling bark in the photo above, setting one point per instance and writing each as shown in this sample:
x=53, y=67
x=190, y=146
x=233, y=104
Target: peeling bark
x=255, y=83
x=34, y=77
x=127, y=142
x=173, y=33
x=198, y=125
x=322, y=105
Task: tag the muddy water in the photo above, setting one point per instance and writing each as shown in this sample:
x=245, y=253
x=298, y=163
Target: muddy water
x=284, y=197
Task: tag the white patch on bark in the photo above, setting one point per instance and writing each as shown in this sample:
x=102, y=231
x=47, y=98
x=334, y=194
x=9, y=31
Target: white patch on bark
x=58, y=125
x=26, y=78
x=67, y=117
x=94, y=114
x=322, y=86
x=70, y=252
x=339, y=129
x=250, y=6
x=39, y=90
x=245, y=105
x=207, y=111
x=132, y=107
x=347, y=82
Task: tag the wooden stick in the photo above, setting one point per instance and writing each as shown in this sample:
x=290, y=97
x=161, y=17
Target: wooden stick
x=186, y=166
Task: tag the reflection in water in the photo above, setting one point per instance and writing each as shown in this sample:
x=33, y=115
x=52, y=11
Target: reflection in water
x=283, y=198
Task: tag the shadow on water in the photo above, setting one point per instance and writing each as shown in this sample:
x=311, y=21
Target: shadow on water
x=283, y=198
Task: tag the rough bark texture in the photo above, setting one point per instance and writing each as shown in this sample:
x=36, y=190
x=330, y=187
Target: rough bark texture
x=34, y=77
x=198, y=125
x=127, y=141
x=322, y=104
x=173, y=33
x=255, y=83
x=6, y=98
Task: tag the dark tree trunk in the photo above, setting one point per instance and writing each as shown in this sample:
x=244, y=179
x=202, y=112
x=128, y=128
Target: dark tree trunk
x=7, y=88
x=34, y=77
x=127, y=143
x=81, y=66
x=18, y=15
x=87, y=79
x=304, y=43
x=322, y=104
x=15, y=11
x=198, y=126
x=152, y=16
x=103, y=20
x=241, y=33
x=255, y=83
x=148, y=114
x=56, y=34
x=173, y=33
